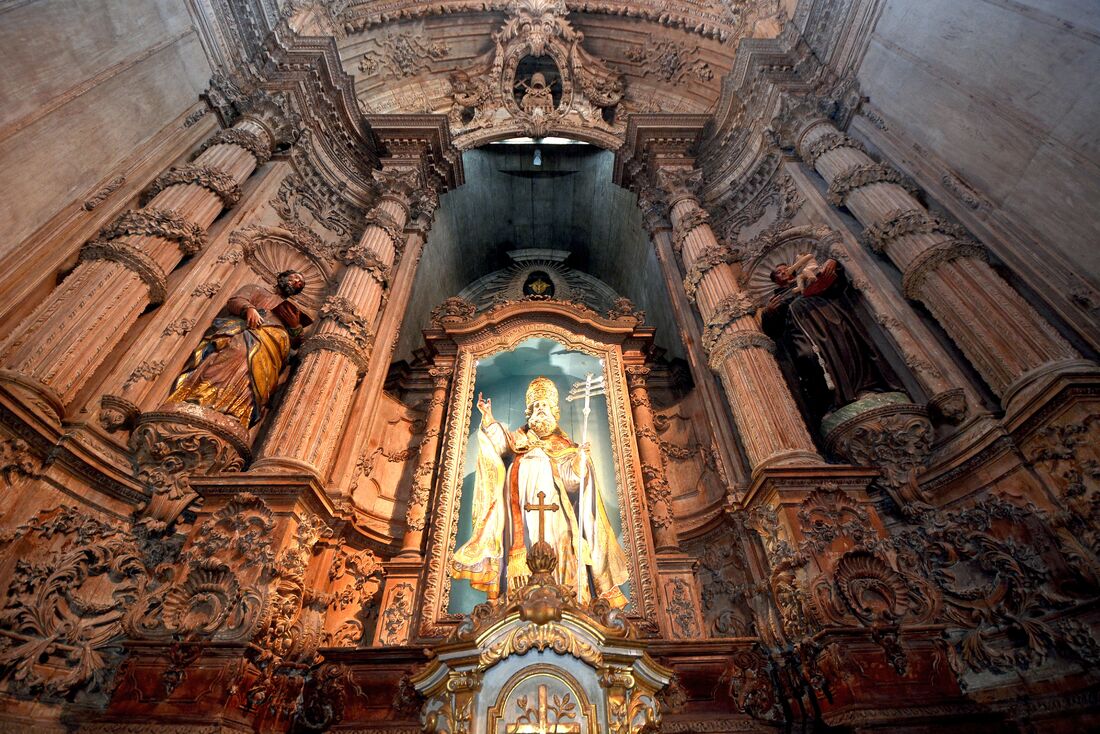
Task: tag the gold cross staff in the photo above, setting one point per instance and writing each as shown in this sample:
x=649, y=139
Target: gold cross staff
x=541, y=508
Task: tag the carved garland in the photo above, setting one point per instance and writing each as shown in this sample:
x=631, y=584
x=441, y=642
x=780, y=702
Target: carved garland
x=250, y=141
x=688, y=223
x=217, y=182
x=340, y=344
x=827, y=142
x=361, y=257
x=927, y=262
x=862, y=175
x=132, y=259
x=164, y=223
x=342, y=311
x=901, y=222
x=732, y=308
x=383, y=221
x=709, y=259
x=730, y=343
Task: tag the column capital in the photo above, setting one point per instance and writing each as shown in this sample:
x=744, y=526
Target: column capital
x=399, y=183
x=654, y=207
x=441, y=376
x=272, y=113
x=422, y=211
x=680, y=183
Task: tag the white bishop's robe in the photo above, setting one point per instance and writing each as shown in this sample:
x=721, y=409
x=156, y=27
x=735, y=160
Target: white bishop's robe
x=579, y=531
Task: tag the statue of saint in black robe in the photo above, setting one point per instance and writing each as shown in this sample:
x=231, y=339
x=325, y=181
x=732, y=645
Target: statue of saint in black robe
x=833, y=359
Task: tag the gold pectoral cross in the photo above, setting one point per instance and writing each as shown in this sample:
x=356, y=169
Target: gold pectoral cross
x=543, y=725
x=542, y=508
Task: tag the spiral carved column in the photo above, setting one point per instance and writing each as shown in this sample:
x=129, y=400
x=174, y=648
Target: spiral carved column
x=304, y=432
x=772, y=430
x=1006, y=340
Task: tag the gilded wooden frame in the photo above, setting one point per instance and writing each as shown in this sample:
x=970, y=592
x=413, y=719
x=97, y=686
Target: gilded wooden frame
x=576, y=329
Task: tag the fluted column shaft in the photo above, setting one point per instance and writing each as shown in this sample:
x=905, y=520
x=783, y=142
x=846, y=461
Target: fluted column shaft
x=364, y=405
x=772, y=430
x=305, y=430
x=1006, y=340
x=124, y=269
x=658, y=494
x=417, y=513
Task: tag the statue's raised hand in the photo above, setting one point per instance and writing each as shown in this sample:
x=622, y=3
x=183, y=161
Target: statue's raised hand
x=485, y=405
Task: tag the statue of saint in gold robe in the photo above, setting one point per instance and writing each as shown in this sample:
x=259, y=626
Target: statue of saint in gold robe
x=236, y=367
x=540, y=458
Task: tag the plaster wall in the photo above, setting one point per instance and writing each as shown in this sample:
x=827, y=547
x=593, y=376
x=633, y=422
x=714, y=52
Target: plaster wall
x=1005, y=94
x=83, y=85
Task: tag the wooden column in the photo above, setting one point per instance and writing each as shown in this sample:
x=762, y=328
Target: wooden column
x=304, y=432
x=771, y=430
x=419, y=495
x=658, y=494
x=1006, y=340
x=365, y=403
x=124, y=270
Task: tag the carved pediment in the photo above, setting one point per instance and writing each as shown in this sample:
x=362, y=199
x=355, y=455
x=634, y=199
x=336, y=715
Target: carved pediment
x=536, y=80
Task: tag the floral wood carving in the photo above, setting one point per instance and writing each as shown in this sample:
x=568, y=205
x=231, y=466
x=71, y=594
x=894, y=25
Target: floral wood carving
x=74, y=578
x=402, y=54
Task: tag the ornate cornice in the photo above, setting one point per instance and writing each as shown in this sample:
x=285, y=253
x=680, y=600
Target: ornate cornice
x=721, y=25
